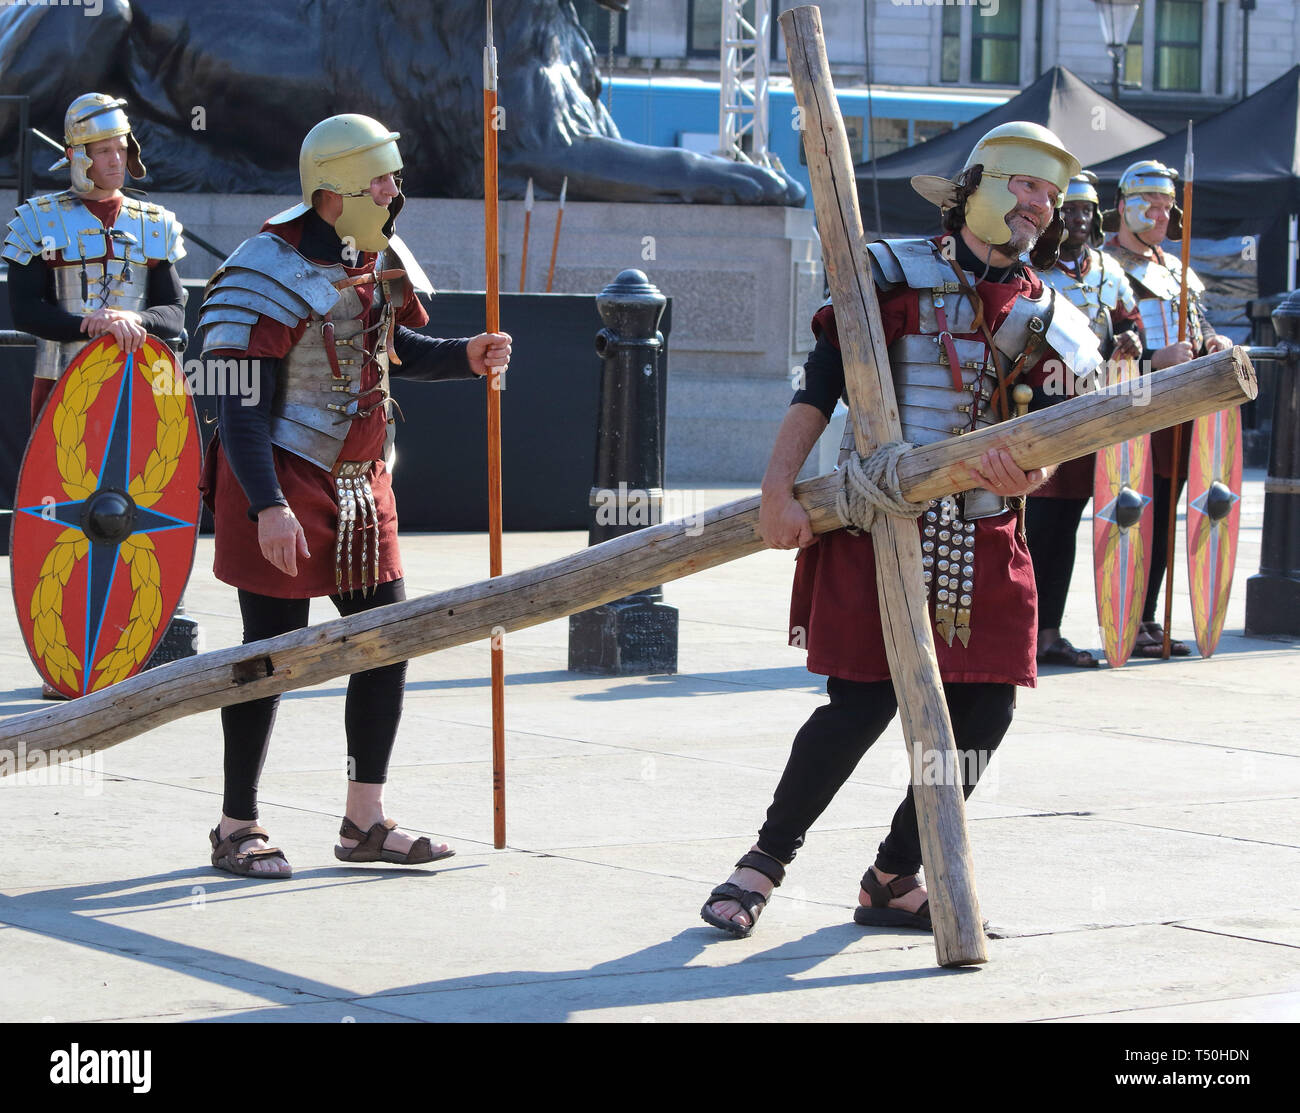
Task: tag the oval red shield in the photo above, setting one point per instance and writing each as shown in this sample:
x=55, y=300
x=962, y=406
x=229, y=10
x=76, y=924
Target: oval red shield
x=1122, y=530
x=106, y=515
x=1213, y=521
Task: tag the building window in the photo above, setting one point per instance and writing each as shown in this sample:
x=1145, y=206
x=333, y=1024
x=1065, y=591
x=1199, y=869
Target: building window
x=995, y=44
x=887, y=136
x=950, y=50
x=1132, y=61
x=928, y=129
x=1178, y=45
x=704, y=29
x=597, y=22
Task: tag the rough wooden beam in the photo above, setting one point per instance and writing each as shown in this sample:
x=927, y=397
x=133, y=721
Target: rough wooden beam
x=586, y=579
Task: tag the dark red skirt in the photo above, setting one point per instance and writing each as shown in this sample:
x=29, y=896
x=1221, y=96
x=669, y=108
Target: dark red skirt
x=310, y=491
x=835, y=610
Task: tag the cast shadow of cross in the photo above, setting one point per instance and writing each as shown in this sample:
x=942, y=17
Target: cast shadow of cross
x=662, y=974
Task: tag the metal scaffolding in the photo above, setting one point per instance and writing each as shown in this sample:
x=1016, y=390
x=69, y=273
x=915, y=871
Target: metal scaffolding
x=743, y=100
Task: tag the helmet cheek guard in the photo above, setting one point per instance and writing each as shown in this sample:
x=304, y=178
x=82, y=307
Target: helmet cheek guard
x=1047, y=250
x=79, y=170
x=134, y=163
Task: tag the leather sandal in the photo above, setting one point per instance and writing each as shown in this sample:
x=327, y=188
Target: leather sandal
x=227, y=856
x=370, y=846
x=1151, y=642
x=751, y=901
x=1061, y=652
x=879, y=914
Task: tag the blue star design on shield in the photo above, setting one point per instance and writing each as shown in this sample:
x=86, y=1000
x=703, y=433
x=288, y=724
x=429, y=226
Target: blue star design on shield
x=1216, y=501
x=1125, y=509
x=108, y=516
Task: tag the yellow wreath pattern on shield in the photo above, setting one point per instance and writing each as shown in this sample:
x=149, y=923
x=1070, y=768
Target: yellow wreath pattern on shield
x=50, y=639
x=138, y=552
x=1110, y=562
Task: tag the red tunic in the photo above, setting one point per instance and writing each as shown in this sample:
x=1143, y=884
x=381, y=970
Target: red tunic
x=835, y=606
x=308, y=488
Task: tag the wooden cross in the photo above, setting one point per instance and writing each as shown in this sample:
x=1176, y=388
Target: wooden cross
x=905, y=619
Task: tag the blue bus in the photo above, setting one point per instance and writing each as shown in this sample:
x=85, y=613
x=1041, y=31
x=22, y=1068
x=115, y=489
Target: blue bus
x=683, y=112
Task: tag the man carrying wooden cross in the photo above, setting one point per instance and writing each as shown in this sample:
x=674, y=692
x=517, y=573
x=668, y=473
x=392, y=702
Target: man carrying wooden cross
x=965, y=321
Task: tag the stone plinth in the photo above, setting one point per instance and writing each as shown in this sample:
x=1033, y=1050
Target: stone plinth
x=744, y=282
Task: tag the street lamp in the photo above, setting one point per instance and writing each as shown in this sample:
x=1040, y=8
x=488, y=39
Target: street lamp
x=1117, y=18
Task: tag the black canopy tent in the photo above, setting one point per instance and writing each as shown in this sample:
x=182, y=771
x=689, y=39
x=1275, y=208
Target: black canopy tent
x=1089, y=124
x=1247, y=176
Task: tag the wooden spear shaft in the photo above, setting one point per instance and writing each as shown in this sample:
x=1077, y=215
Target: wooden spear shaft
x=941, y=812
x=528, y=219
x=1167, y=645
x=495, y=384
x=599, y=574
x=555, y=242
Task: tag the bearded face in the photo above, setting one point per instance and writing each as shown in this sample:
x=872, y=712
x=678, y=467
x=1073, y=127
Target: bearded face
x=1035, y=205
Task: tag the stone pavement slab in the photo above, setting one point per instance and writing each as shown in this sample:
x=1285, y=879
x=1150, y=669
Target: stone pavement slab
x=1136, y=841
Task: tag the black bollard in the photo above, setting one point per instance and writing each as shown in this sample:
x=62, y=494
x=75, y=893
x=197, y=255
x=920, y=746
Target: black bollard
x=636, y=635
x=1273, y=595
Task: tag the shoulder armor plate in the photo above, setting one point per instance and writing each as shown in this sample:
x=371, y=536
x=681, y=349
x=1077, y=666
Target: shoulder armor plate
x=1115, y=288
x=1160, y=280
x=922, y=267
x=61, y=222
x=267, y=277
x=1012, y=334
x=157, y=230
x=1071, y=337
x=884, y=267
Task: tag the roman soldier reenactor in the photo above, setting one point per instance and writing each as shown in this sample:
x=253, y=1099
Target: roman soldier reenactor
x=323, y=301
x=93, y=259
x=1145, y=214
x=964, y=320
x=1095, y=283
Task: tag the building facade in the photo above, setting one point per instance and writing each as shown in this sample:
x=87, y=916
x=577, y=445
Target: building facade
x=1181, y=55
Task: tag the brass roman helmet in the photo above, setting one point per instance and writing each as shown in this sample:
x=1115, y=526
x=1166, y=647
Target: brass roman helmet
x=1083, y=188
x=344, y=154
x=1147, y=176
x=1017, y=148
x=91, y=117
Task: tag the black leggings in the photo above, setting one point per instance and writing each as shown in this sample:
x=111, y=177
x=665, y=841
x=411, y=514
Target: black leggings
x=1159, y=544
x=1051, y=526
x=370, y=717
x=831, y=743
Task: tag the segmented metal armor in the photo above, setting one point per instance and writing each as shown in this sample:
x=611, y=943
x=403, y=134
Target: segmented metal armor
x=58, y=228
